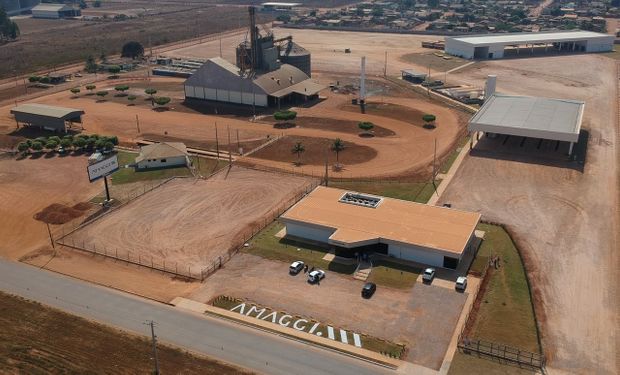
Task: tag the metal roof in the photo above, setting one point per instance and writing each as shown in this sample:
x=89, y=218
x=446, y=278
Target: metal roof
x=516, y=38
x=433, y=227
x=275, y=4
x=47, y=110
x=556, y=119
x=162, y=150
x=51, y=7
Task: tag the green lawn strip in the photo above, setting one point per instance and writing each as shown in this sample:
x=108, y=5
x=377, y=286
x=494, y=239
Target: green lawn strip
x=447, y=164
x=374, y=344
x=410, y=191
x=506, y=315
x=393, y=274
x=464, y=364
x=265, y=244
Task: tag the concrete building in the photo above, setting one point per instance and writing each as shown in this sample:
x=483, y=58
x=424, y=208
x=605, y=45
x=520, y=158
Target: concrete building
x=496, y=46
x=55, y=11
x=162, y=155
x=219, y=80
x=531, y=117
x=46, y=116
x=353, y=222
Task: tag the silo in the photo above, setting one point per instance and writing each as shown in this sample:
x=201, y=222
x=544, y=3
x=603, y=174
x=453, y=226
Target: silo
x=294, y=54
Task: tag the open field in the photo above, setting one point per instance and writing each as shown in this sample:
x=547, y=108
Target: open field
x=327, y=48
x=189, y=221
x=422, y=317
x=565, y=224
x=50, y=43
x=28, y=186
x=35, y=339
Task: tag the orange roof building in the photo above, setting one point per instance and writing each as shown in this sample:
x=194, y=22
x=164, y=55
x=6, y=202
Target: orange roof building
x=431, y=235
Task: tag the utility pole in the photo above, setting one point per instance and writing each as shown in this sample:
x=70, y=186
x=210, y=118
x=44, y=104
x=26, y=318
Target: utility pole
x=154, y=340
x=49, y=231
x=229, y=150
x=385, y=66
x=326, y=163
x=138, y=124
x=217, y=144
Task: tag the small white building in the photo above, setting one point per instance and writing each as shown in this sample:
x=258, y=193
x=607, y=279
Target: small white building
x=55, y=11
x=162, y=155
x=496, y=46
x=355, y=222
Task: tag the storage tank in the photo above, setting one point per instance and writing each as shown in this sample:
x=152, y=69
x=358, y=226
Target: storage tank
x=297, y=56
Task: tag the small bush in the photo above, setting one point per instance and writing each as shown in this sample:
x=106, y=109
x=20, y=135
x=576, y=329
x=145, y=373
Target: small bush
x=102, y=93
x=75, y=90
x=37, y=146
x=428, y=118
x=51, y=144
x=34, y=79
x=162, y=100
x=366, y=125
x=45, y=80
x=285, y=115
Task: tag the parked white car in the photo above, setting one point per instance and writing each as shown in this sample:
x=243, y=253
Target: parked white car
x=461, y=283
x=428, y=275
x=315, y=276
x=296, y=267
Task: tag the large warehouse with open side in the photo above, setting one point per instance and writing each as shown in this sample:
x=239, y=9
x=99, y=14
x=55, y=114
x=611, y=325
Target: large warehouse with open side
x=46, y=116
x=221, y=81
x=496, y=46
x=531, y=117
x=353, y=222
x=55, y=11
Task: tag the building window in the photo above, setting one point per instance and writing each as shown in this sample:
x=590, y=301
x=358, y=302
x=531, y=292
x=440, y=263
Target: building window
x=163, y=160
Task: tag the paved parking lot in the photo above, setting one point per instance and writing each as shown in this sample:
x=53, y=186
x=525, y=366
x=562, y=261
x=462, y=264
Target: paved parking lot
x=423, y=318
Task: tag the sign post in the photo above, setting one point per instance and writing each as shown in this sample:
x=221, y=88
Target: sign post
x=103, y=168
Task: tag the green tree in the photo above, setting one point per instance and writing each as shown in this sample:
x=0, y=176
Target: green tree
x=162, y=100
x=65, y=143
x=102, y=94
x=132, y=49
x=131, y=98
x=366, y=125
x=79, y=143
x=114, y=69
x=23, y=147
x=150, y=91
x=121, y=89
x=75, y=91
x=51, y=144
x=337, y=146
x=428, y=118
x=34, y=79
x=91, y=65
x=45, y=80
x=108, y=146
x=37, y=146
x=54, y=138
x=91, y=88
x=285, y=115
x=298, y=149
x=8, y=29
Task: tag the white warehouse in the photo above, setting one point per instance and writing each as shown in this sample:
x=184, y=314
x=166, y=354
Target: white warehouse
x=497, y=46
x=353, y=222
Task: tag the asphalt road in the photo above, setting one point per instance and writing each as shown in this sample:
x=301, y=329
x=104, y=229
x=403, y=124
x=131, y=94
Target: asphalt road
x=229, y=342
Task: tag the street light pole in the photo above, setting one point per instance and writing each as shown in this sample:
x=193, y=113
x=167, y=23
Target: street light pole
x=154, y=340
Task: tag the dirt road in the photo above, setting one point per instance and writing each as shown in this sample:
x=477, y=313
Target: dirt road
x=564, y=221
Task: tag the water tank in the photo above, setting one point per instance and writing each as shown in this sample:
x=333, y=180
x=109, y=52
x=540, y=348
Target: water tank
x=489, y=88
x=296, y=55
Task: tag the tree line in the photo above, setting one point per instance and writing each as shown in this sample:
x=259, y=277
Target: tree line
x=8, y=29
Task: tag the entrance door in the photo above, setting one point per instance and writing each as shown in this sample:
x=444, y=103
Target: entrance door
x=451, y=263
x=491, y=55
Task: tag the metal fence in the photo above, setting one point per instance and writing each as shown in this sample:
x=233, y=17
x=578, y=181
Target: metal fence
x=161, y=264
x=505, y=353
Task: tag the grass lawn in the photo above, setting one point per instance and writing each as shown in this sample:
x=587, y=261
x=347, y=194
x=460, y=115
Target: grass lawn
x=505, y=315
x=127, y=175
x=419, y=192
x=393, y=275
x=267, y=245
x=447, y=164
x=35, y=339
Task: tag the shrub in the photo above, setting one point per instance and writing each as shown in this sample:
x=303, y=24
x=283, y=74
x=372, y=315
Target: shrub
x=23, y=147
x=285, y=115
x=114, y=140
x=100, y=143
x=45, y=80
x=65, y=143
x=428, y=118
x=90, y=87
x=121, y=88
x=150, y=91
x=102, y=93
x=108, y=146
x=131, y=98
x=41, y=140
x=54, y=138
x=114, y=69
x=162, y=100
x=75, y=90
x=51, y=144
x=34, y=79
x=366, y=125
x=37, y=146
x=79, y=142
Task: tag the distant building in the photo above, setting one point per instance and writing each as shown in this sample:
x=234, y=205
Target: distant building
x=274, y=6
x=55, y=11
x=46, y=116
x=221, y=81
x=162, y=155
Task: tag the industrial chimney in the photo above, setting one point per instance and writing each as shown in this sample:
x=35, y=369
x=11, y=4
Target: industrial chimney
x=489, y=87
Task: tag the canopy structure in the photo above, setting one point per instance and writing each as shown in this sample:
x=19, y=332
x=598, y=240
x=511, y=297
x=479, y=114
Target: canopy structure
x=46, y=116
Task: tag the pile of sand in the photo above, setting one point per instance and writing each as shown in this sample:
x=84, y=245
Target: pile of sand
x=59, y=213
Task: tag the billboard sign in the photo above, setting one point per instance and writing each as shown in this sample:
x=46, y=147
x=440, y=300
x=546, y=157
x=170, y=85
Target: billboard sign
x=102, y=168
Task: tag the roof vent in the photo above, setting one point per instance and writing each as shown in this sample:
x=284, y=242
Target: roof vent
x=359, y=199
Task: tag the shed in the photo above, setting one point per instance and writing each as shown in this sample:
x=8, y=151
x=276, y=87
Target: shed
x=55, y=11
x=162, y=155
x=46, y=116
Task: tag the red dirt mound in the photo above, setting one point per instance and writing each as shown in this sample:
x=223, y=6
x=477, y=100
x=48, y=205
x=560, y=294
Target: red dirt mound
x=59, y=213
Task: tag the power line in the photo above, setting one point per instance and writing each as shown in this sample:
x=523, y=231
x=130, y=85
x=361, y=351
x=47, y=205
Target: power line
x=154, y=340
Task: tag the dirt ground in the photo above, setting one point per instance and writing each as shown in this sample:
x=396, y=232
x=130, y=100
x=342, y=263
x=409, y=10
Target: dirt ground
x=35, y=339
x=189, y=222
x=424, y=317
x=29, y=185
x=327, y=48
x=408, y=152
x=564, y=218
